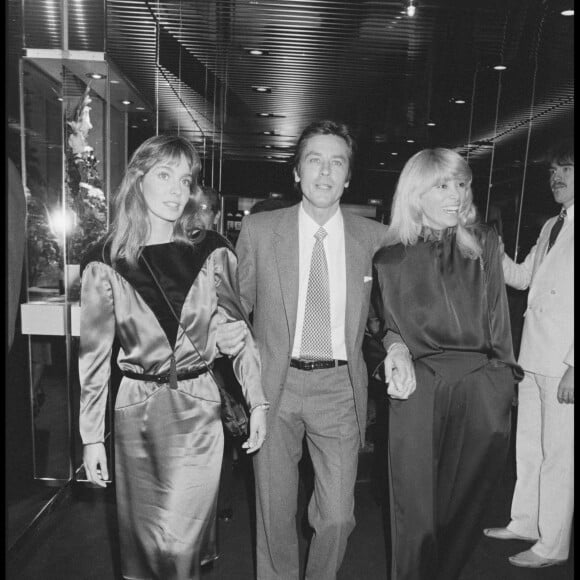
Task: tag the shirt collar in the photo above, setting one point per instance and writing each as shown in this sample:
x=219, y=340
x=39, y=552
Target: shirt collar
x=333, y=226
x=570, y=213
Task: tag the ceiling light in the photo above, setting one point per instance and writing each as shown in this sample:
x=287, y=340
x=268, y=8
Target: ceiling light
x=126, y=102
x=457, y=100
x=500, y=67
x=381, y=163
x=140, y=108
x=257, y=51
x=430, y=124
x=261, y=89
x=394, y=153
x=569, y=12
x=410, y=140
x=411, y=7
x=267, y=146
x=114, y=82
x=96, y=76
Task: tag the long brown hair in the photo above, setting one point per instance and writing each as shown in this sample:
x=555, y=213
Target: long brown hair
x=130, y=228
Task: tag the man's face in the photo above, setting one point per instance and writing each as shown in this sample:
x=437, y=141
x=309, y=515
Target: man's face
x=323, y=172
x=562, y=183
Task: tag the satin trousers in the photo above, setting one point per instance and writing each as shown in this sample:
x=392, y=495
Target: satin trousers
x=448, y=444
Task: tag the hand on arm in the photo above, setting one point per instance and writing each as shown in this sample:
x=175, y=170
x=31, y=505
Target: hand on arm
x=258, y=421
x=95, y=462
x=566, y=387
x=399, y=372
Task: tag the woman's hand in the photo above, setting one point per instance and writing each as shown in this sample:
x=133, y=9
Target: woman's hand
x=95, y=462
x=258, y=421
x=400, y=372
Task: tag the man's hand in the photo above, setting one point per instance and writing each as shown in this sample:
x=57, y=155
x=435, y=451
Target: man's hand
x=566, y=387
x=230, y=336
x=501, y=248
x=400, y=372
x=95, y=462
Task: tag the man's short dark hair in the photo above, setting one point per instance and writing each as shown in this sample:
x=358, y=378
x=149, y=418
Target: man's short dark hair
x=562, y=153
x=326, y=127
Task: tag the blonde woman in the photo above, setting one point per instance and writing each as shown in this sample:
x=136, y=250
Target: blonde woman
x=439, y=284
x=168, y=431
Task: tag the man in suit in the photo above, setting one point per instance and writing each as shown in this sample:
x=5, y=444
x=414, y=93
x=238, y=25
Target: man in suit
x=305, y=273
x=543, y=501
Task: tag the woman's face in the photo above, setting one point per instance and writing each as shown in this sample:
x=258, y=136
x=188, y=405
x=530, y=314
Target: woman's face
x=166, y=188
x=440, y=204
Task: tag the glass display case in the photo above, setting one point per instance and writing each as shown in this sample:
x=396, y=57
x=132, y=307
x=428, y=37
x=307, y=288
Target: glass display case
x=74, y=117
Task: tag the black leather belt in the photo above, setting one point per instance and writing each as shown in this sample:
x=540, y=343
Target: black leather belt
x=312, y=365
x=165, y=377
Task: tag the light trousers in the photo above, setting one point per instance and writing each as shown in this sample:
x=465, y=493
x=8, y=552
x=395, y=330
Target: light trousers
x=543, y=502
x=319, y=406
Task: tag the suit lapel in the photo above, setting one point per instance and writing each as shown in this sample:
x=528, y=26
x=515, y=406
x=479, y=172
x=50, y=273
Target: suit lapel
x=356, y=269
x=287, y=255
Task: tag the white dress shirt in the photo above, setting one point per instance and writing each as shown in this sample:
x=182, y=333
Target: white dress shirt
x=336, y=259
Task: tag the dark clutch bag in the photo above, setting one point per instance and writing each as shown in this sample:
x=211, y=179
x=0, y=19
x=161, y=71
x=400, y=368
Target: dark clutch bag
x=234, y=414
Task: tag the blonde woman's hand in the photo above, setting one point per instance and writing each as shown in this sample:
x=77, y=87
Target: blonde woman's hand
x=400, y=372
x=95, y=462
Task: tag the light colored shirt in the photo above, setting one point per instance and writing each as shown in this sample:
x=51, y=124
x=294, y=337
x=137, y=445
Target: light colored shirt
x=336, y=259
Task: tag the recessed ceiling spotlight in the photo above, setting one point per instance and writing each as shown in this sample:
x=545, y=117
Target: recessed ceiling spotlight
x=457, y=100
x=430, y=124
x=271, y=115
x=394, y=153
x=140, y=108
x=126, y=102
x=398, y=17
x=114, y=82
x=257, y=51
x=411, y=7
x=267, y=146
x=59, y=99
x=381, y=163
x=500, y=67
x=261, y=89
x=96, y=76
x=134, y=126
x=568, y=12
x=410, y=140
x=263, y=114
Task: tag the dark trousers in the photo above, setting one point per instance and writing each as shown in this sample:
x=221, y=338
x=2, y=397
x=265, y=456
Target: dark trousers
x=448, y=445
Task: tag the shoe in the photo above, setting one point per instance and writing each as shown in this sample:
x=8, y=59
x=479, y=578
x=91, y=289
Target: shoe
x=208, y=560
x=505, y=534
x=226, y=514
x=529, y=559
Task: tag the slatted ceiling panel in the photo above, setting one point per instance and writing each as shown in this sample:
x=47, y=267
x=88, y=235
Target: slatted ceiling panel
x=358, y=60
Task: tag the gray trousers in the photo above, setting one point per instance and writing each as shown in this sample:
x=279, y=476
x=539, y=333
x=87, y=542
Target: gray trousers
x=318, y=405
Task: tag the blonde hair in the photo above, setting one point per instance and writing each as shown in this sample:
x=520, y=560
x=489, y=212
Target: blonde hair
x=423, y=171
x=130, y=228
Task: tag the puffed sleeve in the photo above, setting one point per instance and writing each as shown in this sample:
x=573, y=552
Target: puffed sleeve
x=246, y=364
x=96, y=344
x=499, y=318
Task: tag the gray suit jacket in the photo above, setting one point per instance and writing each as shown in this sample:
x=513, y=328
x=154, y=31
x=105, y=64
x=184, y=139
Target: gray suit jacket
x=267, y=251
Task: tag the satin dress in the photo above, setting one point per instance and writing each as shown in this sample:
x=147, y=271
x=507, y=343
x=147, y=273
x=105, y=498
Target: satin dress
x=168, y=441
x=448, y=442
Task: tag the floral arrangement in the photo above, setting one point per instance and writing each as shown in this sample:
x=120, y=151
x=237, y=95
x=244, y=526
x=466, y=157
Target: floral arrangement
x=86, y=203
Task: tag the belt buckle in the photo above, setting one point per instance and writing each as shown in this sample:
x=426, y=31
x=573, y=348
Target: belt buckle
x=160, y=379
x=309, y=365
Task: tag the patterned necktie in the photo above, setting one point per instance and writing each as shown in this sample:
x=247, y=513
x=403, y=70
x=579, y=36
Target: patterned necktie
x=316, y=334
x=556, y=229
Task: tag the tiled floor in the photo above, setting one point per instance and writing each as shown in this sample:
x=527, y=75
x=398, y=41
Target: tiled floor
x=78, y=541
